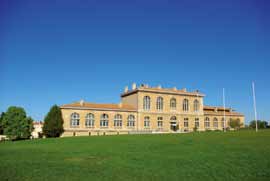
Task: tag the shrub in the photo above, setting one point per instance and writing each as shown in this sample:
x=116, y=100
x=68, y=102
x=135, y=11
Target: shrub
x=40, y=135
x=261, y=124
x=235, y=124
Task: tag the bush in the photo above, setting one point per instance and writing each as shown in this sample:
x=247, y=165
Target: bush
x=261, y=124
x=53, y=123
x=40, y=135
x=16, y=124
x=235, y=124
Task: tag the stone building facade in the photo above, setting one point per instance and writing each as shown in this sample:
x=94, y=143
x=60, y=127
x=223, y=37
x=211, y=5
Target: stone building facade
x=37, y=129
x=146, y=109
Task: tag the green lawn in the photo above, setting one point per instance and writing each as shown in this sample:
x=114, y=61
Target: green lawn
x=243, y=155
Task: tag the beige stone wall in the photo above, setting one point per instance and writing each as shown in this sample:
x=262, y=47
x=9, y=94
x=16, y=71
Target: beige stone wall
x=166, y=103
x=137, y=101
x=131, y=100
x=220, y=118
x=167, y=121
x=82, y=130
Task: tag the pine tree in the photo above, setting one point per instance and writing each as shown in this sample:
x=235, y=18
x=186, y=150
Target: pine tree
x=53, y=123
x=1, y=123
x=16, y=124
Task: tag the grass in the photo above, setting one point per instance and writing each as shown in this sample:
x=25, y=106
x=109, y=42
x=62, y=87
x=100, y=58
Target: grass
x=243, y=155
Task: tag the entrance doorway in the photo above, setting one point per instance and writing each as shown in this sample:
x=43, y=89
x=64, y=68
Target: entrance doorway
x=174, y=126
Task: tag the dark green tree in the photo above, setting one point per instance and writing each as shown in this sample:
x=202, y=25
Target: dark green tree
x=1, y=123
x=261, y=124
x=53, y=123
x=235, y=123
x=16, y=124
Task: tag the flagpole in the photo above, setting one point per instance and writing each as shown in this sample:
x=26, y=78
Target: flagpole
x=224, y=116
x=254, y=105
x=198, y=113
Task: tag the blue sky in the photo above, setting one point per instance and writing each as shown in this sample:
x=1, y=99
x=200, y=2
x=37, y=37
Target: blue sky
x=57, y=52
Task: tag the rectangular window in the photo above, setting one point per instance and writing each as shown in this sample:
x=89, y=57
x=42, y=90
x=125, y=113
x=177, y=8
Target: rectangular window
x=103, y=123
x=185, y=122
x=160, y=124
x=89, y=123
x=197, y=123
x=118, y=123
x=147, y=124
x=131, y=123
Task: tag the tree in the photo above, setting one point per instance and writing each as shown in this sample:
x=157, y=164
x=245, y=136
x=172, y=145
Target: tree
x=235, y=123
x=261, y=124
x=16, y=124
x=53, y=123
x=1, y=123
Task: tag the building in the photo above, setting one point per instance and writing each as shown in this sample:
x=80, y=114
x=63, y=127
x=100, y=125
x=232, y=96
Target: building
x=146, y=109
x=37, y=129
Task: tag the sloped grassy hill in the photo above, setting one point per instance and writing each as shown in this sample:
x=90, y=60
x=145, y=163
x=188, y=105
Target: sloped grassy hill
x=243, y=155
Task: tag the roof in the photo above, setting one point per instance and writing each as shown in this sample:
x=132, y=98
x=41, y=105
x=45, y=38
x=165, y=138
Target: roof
x=163, y=91
x=222, y=113
x=37, y=123
x=216, y=107
x=210, y=110
x=88, y=105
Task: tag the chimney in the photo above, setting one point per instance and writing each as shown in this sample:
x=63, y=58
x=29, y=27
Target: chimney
x=159, y=86
x=133, y=86
x=174, y=88
x=126, y=89
x=184, y=89
x=82, y=102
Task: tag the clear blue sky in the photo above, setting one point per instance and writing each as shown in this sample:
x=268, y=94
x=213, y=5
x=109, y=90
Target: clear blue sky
x=57, y=52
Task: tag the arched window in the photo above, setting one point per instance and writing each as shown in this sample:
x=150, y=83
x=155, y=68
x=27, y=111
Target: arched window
x=196, y=105
x=117, y=120
x=185, y=105
x=223, y=123
x=207, y=123
x=89, y=120
x=146, y=103
x=146, y=122
x=131, y=121
x=197, y=122
x=74, y=120
x=159, y=103
x=104, y=120
x=173, y=103
x=160, y=122
x=215, y=123
x=173, y=118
